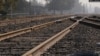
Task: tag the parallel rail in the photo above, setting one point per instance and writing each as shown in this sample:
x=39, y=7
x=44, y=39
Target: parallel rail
x=90, y=21
x=40, y=49
x=93, y=19
x=26, y=30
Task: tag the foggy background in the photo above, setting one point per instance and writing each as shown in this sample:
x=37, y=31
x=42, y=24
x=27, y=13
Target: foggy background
x=36, y=7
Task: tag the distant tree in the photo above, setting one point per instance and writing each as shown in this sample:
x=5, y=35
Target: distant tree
x=5, y=6
x=24, y=6
x=21, y=4
x=60, y=5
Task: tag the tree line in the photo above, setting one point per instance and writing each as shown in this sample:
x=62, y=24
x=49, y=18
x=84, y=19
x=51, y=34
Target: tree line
x=56, y=5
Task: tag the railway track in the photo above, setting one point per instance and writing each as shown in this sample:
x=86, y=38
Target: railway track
x=10, y=27
x=18, y=45
x=92, y=22
x=18, y=21
x=95, y=21
x=94, y=16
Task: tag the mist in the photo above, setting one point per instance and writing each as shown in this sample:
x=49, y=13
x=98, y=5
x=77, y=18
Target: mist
x=37, y=7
